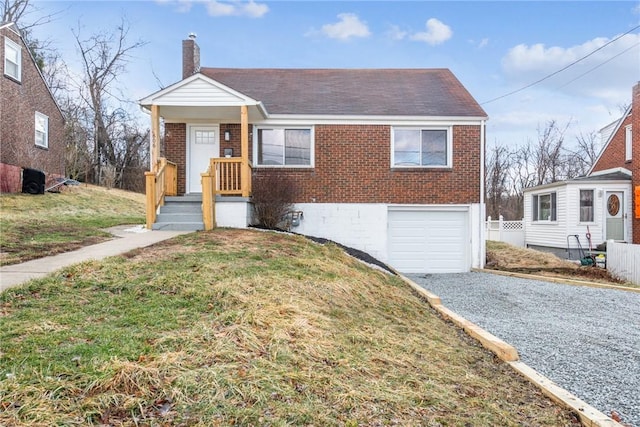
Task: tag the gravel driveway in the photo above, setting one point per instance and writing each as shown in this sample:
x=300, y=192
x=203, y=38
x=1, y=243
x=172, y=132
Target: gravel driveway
x=587, y=340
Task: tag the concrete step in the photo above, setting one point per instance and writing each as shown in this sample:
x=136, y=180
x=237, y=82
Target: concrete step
x=180, y=213
x=187, y=208
x=194, y=197
x=179, y=216
x=178, y=226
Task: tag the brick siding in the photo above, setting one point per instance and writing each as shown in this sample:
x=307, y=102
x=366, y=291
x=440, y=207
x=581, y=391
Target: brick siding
x=614, y=155
x=615, y=152
x=352, y=165
x=20, y=101
x=635, y=164
x=175, y=148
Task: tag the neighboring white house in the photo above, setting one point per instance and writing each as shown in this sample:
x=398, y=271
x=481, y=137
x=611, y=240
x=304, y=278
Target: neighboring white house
x=599, y=204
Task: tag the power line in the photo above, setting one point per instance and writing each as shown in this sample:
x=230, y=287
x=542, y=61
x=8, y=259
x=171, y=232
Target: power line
x=562, y=69
x=598, y=66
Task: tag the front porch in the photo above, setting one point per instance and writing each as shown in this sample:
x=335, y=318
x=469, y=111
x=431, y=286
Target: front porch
x=224, y=179
x=224, y=182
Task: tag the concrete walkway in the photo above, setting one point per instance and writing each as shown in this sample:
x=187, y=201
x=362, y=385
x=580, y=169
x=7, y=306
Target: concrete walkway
x=126, y=238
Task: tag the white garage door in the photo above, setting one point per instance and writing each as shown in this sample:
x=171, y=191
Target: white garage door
x=429, y=241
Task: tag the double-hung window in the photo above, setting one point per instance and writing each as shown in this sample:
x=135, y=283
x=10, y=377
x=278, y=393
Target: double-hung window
x=286, y=146
x=628, y=144
x=42, y=130
x=12, y=59
x=544, y=207
x=586, y=205
x=423, y=147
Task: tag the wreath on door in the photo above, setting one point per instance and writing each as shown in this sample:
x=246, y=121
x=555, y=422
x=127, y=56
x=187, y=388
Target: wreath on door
x=613, y=205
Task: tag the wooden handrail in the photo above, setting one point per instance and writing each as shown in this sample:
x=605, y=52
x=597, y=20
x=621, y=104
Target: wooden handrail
x=225, y=176
x=230, y=178
x=161, y=182
x=208, y=199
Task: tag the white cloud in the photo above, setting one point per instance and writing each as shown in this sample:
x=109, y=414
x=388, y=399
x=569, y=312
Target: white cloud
x=479, y=44
x=395, y=33
x=348, y=26
x=636, y=9
x=255, y=10
x=606, y=74
x=182, y=6
x=222, y=8
x=216, y=8
x=437, y=33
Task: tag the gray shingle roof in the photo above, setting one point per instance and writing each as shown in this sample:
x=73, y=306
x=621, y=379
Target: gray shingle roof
x=613, y=176
x=385, y=92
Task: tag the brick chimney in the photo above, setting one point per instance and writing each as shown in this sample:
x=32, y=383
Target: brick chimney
x=190, y=56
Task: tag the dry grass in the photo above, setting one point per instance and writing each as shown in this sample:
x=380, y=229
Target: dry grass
x=248, y=328
x=501, y=255
x=505, y=257
x=34, y=226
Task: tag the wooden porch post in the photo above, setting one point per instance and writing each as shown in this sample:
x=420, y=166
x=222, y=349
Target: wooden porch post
x=244, y=150
x=154, y=152
x=150, y=189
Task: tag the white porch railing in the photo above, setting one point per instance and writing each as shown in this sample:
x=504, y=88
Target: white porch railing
x=511, y=232
x=623, y=261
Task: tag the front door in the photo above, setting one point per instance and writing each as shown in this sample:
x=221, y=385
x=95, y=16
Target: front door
x=204, y=143
x=615, y=215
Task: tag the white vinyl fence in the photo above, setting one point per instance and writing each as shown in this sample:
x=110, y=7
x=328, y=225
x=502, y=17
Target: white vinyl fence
x=623, y=261
x=511, y=232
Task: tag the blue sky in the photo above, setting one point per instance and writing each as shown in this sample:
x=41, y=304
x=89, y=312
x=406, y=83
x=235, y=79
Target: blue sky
x=493, y=48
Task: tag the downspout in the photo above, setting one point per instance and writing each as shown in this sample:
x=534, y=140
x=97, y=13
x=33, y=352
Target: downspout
x=481, y=214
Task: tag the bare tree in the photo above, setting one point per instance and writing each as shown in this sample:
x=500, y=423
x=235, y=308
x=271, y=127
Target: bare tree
x=104, y=57
x=585, y=155
x=27, y=15
x=547, y=160
x=496, y=177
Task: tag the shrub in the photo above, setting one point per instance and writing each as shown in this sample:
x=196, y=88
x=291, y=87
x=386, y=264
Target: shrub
x=273, y=194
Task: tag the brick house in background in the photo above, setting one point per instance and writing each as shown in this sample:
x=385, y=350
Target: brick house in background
x=31, y=122
x=602, y=204
x=622, y=150
x=388, y=161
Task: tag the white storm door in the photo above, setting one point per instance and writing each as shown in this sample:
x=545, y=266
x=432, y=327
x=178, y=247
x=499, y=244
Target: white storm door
x=204, y=143
x=615, y=215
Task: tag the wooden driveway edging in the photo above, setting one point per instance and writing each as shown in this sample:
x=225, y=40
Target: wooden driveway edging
x=589, y=416
x=560, y=280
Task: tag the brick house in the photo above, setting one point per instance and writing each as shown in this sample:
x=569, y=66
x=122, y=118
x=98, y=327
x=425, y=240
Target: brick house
x=389, y=161
x=601, y=203
x=31, y=122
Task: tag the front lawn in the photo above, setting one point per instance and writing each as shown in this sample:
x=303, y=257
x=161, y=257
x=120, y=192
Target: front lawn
x=35, y=226
x=237, y=327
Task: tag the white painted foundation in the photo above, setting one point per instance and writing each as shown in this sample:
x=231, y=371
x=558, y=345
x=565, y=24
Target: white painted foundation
x=362, y=226
x=234, y=213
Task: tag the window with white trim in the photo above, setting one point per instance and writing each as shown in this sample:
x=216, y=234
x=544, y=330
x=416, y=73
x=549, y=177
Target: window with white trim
x=42, y=130
x=421, y=147
x=12, y=59
x=286, y=146
x=586, y=205
x=544, y=207
x=628, y=145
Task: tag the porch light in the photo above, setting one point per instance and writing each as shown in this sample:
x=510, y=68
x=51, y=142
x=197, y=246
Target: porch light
x=227, y=135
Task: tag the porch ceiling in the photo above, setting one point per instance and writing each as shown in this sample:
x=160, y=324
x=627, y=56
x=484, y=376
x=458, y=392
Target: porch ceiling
x=229, y=113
